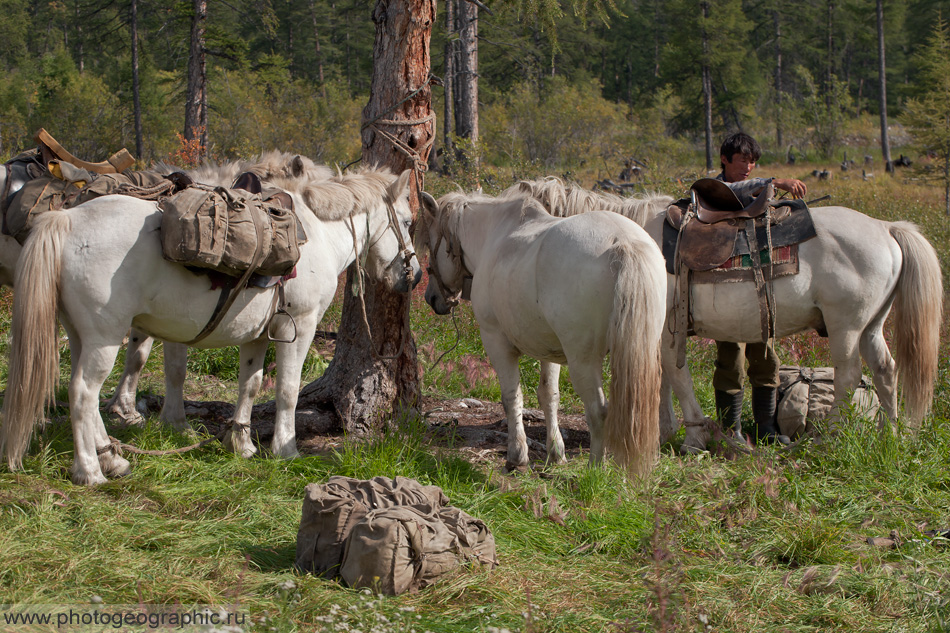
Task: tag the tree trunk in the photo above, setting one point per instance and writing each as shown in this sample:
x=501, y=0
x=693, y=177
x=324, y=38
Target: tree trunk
x=316, y=48
x=448, y=83
x=882, y=81
x=362, y=391
x=707, y=90
x=466, y=95
x=136, y=96
x=779, y=129
x=830, y=67
x=196, y=96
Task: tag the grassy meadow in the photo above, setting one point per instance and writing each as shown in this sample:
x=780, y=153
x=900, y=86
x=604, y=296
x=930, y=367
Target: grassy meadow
x=766, y=542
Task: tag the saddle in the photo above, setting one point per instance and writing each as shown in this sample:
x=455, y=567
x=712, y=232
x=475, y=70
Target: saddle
x=718, y=228
x=703, y=235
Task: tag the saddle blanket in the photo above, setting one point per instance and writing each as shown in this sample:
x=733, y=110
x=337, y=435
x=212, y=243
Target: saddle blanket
x=782, y=261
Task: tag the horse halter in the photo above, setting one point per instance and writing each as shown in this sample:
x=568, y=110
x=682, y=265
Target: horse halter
x=451, y=299
x=405, y=251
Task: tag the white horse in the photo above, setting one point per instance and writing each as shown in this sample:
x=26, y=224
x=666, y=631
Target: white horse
x=850, y=276
x=562, y=291
x=100, y=266
x=267, y=166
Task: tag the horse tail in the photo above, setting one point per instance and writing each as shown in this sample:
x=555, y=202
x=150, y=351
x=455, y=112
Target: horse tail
x=918, y=308
x=34, y=350
x=632, y=432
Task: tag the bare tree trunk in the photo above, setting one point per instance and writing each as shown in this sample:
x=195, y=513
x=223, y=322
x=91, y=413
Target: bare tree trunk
x=830, y=67
x=316, y=47
x=448, y=83
x=882, y=81
x=466, y=97
x=136, y=97
x=80, y=52
x=779, y=128
x=361, y=390
x=707, y=90
x=196, y=96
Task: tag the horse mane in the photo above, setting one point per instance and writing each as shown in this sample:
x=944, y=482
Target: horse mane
x=563, y=200
x=330, y=197
x=268, y=166
x=342, y=195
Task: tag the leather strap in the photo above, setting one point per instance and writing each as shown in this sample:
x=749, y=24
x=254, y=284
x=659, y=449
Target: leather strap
x=760, y=288
x=222, y=308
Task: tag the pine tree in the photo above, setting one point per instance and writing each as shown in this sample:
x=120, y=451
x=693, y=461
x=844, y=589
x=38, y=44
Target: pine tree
x=928, y=114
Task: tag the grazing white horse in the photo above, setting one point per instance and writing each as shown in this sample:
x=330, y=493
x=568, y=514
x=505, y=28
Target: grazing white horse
x=850, y=276
x=562, y=291
x=100, y=267
x=268, y=166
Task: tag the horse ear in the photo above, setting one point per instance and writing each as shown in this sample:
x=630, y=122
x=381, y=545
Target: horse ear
x=429, y=205
x=401, y=187
x=297, y=167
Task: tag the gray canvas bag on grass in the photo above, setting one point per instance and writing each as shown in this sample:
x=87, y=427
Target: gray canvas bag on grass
x=391, y=535
x=805, y=395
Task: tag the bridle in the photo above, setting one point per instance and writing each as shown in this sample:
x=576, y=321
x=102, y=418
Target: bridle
x=451, y=299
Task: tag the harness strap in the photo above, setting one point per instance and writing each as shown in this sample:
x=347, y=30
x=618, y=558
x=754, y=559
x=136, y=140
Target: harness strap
x=765, y=322
x=230, y=294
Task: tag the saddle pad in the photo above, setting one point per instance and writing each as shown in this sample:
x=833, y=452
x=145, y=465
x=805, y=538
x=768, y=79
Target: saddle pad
x=714, y=244
x=782, y=262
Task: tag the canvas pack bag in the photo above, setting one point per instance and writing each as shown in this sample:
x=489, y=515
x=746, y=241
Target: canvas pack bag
x=230, y=231
x=332, y=509
x=405, y=548
x=62, y=185
x=391, y=535
x=806, y=395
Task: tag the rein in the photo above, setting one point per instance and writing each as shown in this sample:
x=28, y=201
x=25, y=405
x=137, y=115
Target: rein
x=359, y=289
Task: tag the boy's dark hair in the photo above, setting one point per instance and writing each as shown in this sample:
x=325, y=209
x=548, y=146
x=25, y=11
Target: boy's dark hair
x=739, y=143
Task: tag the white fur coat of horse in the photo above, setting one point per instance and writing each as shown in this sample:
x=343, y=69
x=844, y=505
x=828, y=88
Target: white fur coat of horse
x=563, y=291
x=99, y=266
x=851, y=276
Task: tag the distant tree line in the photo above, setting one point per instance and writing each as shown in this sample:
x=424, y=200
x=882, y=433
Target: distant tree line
x=295, y=74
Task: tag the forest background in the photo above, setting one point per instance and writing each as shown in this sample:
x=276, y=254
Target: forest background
x=580, y=88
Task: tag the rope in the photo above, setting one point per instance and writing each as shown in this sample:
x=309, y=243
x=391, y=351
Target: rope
x=117, y=447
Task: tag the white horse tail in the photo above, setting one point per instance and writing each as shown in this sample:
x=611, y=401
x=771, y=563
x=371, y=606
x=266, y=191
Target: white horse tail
x=34, y=352
x=918, y=308
x=632, y=431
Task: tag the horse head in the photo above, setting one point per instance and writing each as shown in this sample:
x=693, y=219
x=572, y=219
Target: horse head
x=14, y=175
x=391, y=257
x=447, y=272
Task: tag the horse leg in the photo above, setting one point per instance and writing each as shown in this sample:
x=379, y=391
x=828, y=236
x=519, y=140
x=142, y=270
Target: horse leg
x=122, y=403
x=504, y=358
x=587, y=378
x=238, y=437
x=290, y=360
x=680, y=382
x=883, y=368
x=548, y=397
x=669, y=423
x=173, y=407
x=847, y=363
x=91, y=366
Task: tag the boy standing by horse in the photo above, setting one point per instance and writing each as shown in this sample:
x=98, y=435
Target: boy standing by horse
x=738, y=156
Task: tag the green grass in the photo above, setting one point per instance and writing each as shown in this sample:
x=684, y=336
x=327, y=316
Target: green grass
x=766, y=542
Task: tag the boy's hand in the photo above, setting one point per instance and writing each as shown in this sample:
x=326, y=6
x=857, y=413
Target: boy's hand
x=797, y=188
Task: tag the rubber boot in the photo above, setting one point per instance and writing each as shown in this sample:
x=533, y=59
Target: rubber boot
x=763, y=412
x=729, y=411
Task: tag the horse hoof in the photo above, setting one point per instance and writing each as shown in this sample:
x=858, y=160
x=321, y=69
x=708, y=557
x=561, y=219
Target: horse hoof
x=516, y=468
x=688, y=449
x=87, y=479
x=114, y=466
x=133, y=418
